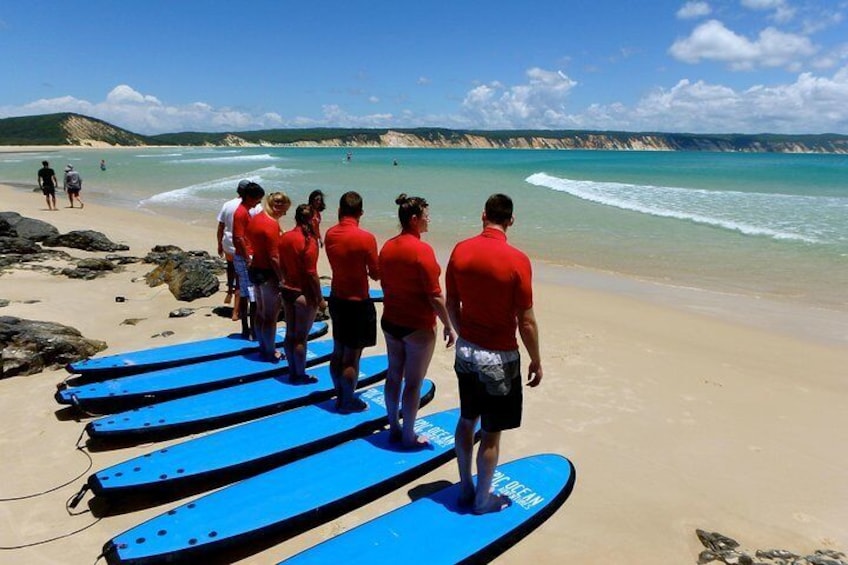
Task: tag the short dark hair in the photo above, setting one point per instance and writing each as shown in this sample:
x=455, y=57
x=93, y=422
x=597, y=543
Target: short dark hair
x=499, y=209
x=252, y=190
x=350, y=204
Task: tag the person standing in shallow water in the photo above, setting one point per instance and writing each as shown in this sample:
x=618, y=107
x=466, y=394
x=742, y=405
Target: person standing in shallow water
x=412, y=299
x=47, y=183
x=352, y=253
x=489, y=297
x=316, y=201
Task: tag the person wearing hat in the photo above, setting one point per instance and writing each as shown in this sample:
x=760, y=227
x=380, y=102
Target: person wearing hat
x=73, y=185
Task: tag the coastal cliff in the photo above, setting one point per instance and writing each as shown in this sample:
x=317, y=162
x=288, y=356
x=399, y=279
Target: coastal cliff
x=77, y=130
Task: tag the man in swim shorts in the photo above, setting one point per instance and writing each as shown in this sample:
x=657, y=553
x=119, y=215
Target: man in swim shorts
x=489, y=297
x=352, y=253
x=47, y=183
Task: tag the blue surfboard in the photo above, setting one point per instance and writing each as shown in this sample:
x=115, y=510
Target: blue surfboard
x=111, y=395
x=537, y=485
x=287, y=499
x=375, y=294
x=172, y=355
x=244, y=450
x=226, y=406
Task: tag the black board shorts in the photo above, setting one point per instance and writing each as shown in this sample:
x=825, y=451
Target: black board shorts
x=496, y=412
x=354, y=322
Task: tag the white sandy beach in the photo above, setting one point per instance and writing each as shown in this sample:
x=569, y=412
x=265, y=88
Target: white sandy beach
x=674, y=419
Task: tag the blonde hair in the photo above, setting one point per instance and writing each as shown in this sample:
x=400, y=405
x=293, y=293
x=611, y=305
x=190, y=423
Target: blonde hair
x=274, y=198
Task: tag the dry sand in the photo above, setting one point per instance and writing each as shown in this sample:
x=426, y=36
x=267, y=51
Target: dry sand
x=674, y=420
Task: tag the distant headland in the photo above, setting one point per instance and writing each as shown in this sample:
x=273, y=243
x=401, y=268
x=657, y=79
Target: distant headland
x=69, y=129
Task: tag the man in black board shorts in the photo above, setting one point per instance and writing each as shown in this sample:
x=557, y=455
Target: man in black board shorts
x=47, y=183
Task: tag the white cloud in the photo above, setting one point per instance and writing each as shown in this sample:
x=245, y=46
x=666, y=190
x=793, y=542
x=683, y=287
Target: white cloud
x=692, y=10
x=146, y=114
x=811, y=104
x=714, y=42
x=540, y=103
x=783, y=12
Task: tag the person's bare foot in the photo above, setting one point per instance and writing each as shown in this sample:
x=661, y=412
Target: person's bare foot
x=493, y=503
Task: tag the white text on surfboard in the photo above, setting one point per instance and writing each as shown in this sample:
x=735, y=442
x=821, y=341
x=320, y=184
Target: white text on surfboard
x=518, y=492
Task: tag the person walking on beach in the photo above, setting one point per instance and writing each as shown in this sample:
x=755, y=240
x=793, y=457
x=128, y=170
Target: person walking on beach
x=266, y=271
x=73, y=186
x=47, y=183
x=251, y=195
x=316, y=201
x=412, y=298
x=352, y=253
x=301, y=290
x=489, y=297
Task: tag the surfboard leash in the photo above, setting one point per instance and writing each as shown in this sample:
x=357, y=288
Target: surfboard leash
x=79, y=448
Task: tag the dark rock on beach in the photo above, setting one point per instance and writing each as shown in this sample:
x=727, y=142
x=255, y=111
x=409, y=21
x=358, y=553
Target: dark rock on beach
x=181, y=312
x=13, y=224
x=87, y=240
x=14, y=245
x=188, y=274
x=30, y=346
x=722, y=549
x=90, y=268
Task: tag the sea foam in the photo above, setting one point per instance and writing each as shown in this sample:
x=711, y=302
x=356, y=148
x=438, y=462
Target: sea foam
x=810, y=219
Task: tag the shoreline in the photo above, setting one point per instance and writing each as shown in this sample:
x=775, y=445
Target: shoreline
x=804, y=320
x=677, y=416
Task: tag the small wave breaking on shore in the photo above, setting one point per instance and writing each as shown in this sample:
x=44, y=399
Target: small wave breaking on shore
x=808, y=219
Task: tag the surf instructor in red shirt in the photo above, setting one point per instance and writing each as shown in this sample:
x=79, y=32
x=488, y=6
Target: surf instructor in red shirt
x=489, y=298
x=352, y=253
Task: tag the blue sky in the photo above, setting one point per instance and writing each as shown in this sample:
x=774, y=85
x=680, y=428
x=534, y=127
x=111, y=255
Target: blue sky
x=706, y=66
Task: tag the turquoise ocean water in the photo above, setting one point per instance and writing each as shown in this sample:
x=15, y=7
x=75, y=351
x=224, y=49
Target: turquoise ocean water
x=764, y=225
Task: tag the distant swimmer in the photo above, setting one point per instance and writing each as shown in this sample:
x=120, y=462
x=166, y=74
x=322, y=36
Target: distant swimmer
x=349, y=155
x=102, y=164
x=394, y=162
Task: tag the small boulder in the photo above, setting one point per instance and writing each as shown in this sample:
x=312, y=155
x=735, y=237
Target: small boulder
x=87, y=240
x=30, y=346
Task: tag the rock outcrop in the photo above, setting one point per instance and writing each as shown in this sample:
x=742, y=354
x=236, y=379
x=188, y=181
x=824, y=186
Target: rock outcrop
x=189, y=274
x=88, y=240
x=30, y=346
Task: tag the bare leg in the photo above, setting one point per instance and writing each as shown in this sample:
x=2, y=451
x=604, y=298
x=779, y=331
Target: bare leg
x=487, y=459
x=350, y=376
x=267, y=311
x=419, y=347
x=302, y=316
x=394, y=377
x=464, y=452
x=336, y=369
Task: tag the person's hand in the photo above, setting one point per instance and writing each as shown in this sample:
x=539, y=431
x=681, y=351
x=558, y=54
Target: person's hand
x=534, y=373
x=220, y=250
x=449, y=336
